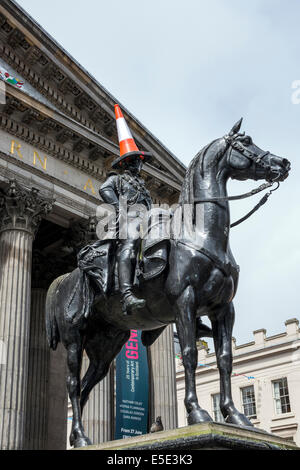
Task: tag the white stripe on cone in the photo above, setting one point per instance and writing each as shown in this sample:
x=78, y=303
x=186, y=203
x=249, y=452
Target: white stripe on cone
x=123, y=130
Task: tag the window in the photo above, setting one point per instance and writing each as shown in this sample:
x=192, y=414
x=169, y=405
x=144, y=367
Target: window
x=281, y=396
x=218, y=417
x=248, y=401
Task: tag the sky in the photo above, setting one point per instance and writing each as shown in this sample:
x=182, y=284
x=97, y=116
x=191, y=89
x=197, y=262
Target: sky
x=188, y=71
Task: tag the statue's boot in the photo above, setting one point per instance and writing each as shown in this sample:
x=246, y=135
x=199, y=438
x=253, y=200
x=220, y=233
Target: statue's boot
x=126, y=274
x=131, y=302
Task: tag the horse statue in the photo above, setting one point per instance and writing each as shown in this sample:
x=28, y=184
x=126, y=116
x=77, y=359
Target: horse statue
x=200, y=279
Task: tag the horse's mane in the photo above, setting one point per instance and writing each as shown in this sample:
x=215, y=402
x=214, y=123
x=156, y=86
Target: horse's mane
x=187, y=191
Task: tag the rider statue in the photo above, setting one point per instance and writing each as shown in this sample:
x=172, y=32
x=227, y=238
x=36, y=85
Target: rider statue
x=130, y=187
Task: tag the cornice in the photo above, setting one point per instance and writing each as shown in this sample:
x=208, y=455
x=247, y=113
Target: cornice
x=161, y=187
x=64, y=122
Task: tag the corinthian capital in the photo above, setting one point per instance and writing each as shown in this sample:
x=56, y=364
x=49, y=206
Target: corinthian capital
x=22, y=208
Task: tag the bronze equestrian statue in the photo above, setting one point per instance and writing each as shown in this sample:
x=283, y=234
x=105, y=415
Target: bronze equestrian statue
x=199, y=277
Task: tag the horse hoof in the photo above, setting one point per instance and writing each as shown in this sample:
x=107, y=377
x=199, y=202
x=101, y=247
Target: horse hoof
x=239, y=420
x=82, y=442
x=72, y=439
x=198, y=416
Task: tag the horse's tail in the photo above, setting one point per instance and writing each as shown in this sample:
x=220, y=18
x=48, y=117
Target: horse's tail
x=52, y=331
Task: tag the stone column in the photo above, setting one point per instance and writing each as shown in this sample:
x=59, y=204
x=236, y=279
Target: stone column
x=163, y=400
x=97, y=413
x=57, y=409
x=39, y=354
x=21, y=213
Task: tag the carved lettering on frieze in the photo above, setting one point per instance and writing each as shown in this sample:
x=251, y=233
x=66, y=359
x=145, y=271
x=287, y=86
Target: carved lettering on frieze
x=16, y=147
x=42, y=162
x=89, y=185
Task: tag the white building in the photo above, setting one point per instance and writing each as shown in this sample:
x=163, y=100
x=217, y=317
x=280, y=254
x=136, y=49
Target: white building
x=265, y=382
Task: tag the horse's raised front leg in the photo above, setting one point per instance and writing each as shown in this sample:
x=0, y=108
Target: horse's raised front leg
x=222, y=325
x=74, y=360
x=186, y=329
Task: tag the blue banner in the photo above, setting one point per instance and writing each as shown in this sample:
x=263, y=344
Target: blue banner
x=132, y=388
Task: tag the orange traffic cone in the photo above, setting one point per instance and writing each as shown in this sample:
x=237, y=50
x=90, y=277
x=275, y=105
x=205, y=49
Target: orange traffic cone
x=128, y=147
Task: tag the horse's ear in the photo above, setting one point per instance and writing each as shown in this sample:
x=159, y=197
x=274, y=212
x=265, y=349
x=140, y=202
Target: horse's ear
x=236, y=127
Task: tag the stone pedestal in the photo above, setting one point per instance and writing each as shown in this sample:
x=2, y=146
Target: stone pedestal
x=21, y=212
x=204, y=436
x=163, y=401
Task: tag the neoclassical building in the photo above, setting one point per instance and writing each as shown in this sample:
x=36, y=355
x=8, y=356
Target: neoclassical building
x=57, y=141
x=265, y=382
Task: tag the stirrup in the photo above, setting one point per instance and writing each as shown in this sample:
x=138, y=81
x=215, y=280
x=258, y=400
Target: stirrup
x=132, y=303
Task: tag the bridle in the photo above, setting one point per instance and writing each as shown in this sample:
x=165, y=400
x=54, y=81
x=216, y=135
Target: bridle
x=258, y=159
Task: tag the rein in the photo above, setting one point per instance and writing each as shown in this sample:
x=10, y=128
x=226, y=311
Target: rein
x=264, y=199
x=255, y=208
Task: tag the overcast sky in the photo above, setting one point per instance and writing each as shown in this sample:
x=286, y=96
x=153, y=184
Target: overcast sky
x=188, y=71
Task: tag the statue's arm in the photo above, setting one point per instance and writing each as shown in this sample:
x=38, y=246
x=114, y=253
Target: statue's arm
x=109, y=193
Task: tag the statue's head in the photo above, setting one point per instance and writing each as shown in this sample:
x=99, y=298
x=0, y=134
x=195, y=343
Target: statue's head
x=134, y=165
x=132, y=161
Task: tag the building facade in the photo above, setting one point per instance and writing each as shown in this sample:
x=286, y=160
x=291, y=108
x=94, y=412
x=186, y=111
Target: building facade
x=57, y=141
x=265, y=382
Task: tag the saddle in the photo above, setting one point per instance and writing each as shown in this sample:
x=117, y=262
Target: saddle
x=98, y=269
